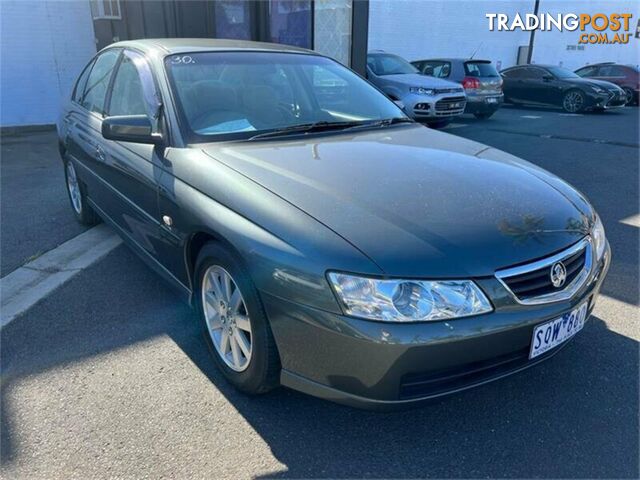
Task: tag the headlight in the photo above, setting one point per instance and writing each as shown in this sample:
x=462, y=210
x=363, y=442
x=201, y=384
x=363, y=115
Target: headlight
x=599, y=239
x=408, y=300
x=421, y=90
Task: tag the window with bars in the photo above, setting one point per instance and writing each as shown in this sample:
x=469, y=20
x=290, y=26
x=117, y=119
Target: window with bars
x=105, y=9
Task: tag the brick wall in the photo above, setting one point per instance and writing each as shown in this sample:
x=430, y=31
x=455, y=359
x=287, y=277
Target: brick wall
x=44, y=46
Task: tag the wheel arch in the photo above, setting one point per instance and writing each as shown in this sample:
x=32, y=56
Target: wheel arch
x=194, y=244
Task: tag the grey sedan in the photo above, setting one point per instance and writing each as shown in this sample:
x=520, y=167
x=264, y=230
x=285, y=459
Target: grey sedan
x=327, y=242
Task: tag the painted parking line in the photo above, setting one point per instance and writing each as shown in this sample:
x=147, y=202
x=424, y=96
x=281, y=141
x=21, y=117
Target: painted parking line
x=456, y=125
x=32, y=282
x=571, y=114
x=530, y=116
x=633, y=220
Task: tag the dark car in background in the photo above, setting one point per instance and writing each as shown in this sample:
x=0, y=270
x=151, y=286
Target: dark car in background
x=557, y=86
x=481, y=81
x=328, y=242
x=626, y=77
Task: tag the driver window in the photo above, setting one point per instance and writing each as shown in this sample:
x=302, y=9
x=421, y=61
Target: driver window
x=127, y=97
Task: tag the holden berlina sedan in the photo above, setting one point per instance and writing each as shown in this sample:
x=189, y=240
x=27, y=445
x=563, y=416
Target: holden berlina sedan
x=328, y=242
x=551, y=85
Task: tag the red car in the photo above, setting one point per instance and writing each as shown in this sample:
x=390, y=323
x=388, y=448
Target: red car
x=625, y=76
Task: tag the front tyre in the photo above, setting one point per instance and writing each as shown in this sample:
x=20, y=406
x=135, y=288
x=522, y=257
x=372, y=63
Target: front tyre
x=573, y=101
x=234, y=323
x=75, y=189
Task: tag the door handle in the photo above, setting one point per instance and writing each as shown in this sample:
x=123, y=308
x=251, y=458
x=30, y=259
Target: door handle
x=100, y=154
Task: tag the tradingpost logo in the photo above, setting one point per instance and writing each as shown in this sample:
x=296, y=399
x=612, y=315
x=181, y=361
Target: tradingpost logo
x=599, y=28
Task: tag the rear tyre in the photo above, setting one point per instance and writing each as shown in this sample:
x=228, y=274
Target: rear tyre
x=234, y=322
x=484, y=115
x=77, y=196
x=573, y=101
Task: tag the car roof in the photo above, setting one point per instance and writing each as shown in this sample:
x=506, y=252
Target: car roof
x=461, y=60
x=170, y=46
x=541, y=65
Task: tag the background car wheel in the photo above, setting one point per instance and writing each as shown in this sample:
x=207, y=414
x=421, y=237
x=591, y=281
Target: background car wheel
x=439, y=124
x=75, y=189
x=573, y=101
x=235, y=325
x=631, y=100
x=483, y=116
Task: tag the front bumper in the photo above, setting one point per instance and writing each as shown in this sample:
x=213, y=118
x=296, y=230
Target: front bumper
x=380, y=365
x=434, y=108
x=609, y=100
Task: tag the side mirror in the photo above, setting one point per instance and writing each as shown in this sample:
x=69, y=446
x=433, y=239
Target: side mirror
x=547, y=78
x=130, y=128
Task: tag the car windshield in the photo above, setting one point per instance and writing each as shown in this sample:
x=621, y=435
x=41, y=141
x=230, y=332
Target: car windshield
x=387, y=64
x=480, y=69
x=560, y=72
x=240, y=95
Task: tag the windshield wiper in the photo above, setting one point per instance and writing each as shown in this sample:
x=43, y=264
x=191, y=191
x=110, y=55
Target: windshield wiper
x=326, y=126
x=306, y=128
x=384, y=122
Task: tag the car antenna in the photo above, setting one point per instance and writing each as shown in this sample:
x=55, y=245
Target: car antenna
x=475, y=51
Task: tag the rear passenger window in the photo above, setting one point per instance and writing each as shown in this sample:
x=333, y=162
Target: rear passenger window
x=95, y=89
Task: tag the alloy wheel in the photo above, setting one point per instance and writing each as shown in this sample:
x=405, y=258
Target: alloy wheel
x=227, y=318
x=74, y=188
x=573, y=102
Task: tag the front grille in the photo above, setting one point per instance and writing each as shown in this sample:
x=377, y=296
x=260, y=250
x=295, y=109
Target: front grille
x=538, y=282
x=449, y=90
x=416, y=385
x=448, y=104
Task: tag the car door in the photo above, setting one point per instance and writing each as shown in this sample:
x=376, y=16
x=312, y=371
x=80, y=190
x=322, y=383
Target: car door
x=530, y=80
x=513, y=83
x=83, y=123
x=132, y=170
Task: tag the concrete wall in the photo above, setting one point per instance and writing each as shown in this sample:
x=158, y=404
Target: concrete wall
x=418, y=29
x=44, y=46
x=455, y=28
x=552, y=46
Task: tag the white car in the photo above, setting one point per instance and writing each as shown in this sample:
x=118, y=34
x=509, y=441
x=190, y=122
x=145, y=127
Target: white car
x=426, y=99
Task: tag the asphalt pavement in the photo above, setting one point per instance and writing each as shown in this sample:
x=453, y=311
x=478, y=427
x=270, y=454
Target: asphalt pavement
x=109, y=375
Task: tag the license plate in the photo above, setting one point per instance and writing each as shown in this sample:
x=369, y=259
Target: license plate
x=492, y=100
x=551, y=334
